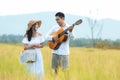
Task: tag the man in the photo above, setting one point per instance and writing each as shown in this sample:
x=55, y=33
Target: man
x=60, y=56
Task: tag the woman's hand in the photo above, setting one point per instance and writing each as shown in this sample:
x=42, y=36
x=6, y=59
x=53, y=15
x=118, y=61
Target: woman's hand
x=26, y=46
x=38, y=45
x=33, y=46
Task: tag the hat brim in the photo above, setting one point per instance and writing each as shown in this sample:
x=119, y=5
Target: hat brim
x=35, y=21
x=39, y=22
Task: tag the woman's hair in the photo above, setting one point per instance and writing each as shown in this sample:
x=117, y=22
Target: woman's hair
x=29, y=33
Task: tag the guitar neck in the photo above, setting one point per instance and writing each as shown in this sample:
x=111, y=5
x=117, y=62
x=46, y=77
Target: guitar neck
x=64, y=32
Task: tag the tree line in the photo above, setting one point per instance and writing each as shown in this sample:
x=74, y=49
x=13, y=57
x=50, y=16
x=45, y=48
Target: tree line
x=79, y=42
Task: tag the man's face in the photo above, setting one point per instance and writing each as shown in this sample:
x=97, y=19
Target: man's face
x=59, y=20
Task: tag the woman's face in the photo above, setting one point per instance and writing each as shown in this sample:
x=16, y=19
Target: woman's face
x=36, y=26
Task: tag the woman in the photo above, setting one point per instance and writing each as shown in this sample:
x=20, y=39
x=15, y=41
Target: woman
x=33, y=41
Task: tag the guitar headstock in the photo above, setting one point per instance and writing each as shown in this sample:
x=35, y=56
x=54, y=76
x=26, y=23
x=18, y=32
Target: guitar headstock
x=78, y=22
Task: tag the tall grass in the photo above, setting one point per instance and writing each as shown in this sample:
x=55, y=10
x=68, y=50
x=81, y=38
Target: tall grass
x=85, y=64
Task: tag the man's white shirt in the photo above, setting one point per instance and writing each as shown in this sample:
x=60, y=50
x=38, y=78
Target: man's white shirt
x=64, y=47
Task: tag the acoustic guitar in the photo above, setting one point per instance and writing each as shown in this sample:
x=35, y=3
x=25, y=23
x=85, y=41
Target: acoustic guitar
x=61, y=36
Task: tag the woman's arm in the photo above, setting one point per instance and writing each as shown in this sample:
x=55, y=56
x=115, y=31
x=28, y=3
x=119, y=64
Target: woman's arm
x=26, y=46
x=33, y=46
x=40, y=45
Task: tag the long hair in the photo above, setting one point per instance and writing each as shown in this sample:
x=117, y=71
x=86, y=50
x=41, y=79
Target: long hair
x=29, y=34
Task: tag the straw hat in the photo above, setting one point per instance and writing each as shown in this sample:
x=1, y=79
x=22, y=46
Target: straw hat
x=32, y=22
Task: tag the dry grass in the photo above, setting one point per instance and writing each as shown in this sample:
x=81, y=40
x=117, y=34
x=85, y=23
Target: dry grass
x=85, y=64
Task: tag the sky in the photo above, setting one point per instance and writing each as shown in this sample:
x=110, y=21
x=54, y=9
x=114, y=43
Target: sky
x=97, y=9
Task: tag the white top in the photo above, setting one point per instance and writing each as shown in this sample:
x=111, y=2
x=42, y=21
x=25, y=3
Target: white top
x=34, y=40
x=64, y=47
x=38, y=39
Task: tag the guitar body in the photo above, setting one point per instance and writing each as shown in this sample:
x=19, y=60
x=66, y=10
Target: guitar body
x=55, y=44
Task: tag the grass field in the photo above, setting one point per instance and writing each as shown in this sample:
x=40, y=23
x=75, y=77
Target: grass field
x=85, y=64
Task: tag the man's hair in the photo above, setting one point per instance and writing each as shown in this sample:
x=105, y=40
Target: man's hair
x=60, y=14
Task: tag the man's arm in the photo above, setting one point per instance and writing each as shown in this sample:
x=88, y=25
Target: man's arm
x=71, y=31
x=71, y=28
x=48, y=36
